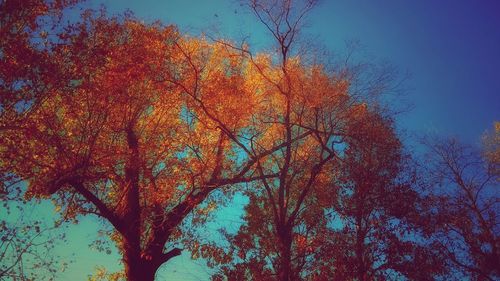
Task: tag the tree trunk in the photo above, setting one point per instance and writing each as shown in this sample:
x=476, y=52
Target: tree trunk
x=139, y=272
x=142, y=265
x=138, y=268
x=285, y=273
x=360, y=252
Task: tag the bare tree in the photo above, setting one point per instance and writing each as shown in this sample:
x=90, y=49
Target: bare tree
x=467, y=208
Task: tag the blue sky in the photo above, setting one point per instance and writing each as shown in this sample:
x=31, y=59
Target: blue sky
x=451, y=48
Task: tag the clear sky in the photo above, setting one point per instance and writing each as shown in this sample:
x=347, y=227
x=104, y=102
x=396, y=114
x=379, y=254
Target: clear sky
x=450, y=47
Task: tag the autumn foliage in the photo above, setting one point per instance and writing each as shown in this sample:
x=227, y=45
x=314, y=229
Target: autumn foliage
x=138, y=124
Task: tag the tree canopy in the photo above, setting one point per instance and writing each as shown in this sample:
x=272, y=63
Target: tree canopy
x=138, y=124
x=141, y=123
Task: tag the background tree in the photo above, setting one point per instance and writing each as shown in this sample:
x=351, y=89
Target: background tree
x=359, y=222
x=376, y=211
x=307, y=104
x=466, y=209
x=26, y=29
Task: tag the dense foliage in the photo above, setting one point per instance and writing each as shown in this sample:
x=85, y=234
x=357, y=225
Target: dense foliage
x=138, y=124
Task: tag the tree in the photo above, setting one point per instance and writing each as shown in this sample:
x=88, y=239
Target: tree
x=144, y=125
x=466, y=209
x=138, y=124
x=25, y=59
x=377, y=212
x=285, y=216
x=359, y=221
x=309, y=105
x=283, y=212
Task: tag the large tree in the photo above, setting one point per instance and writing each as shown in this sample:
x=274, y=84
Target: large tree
x=282, y=209
x=285, y=216
x=143, y=125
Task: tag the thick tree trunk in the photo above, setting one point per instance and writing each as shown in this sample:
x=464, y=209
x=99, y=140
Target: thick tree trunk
x=139, y=270
x=285, y=273
x=136, y=267
x=140, y=265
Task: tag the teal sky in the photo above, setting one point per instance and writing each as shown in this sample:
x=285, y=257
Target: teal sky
x=450, y=47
